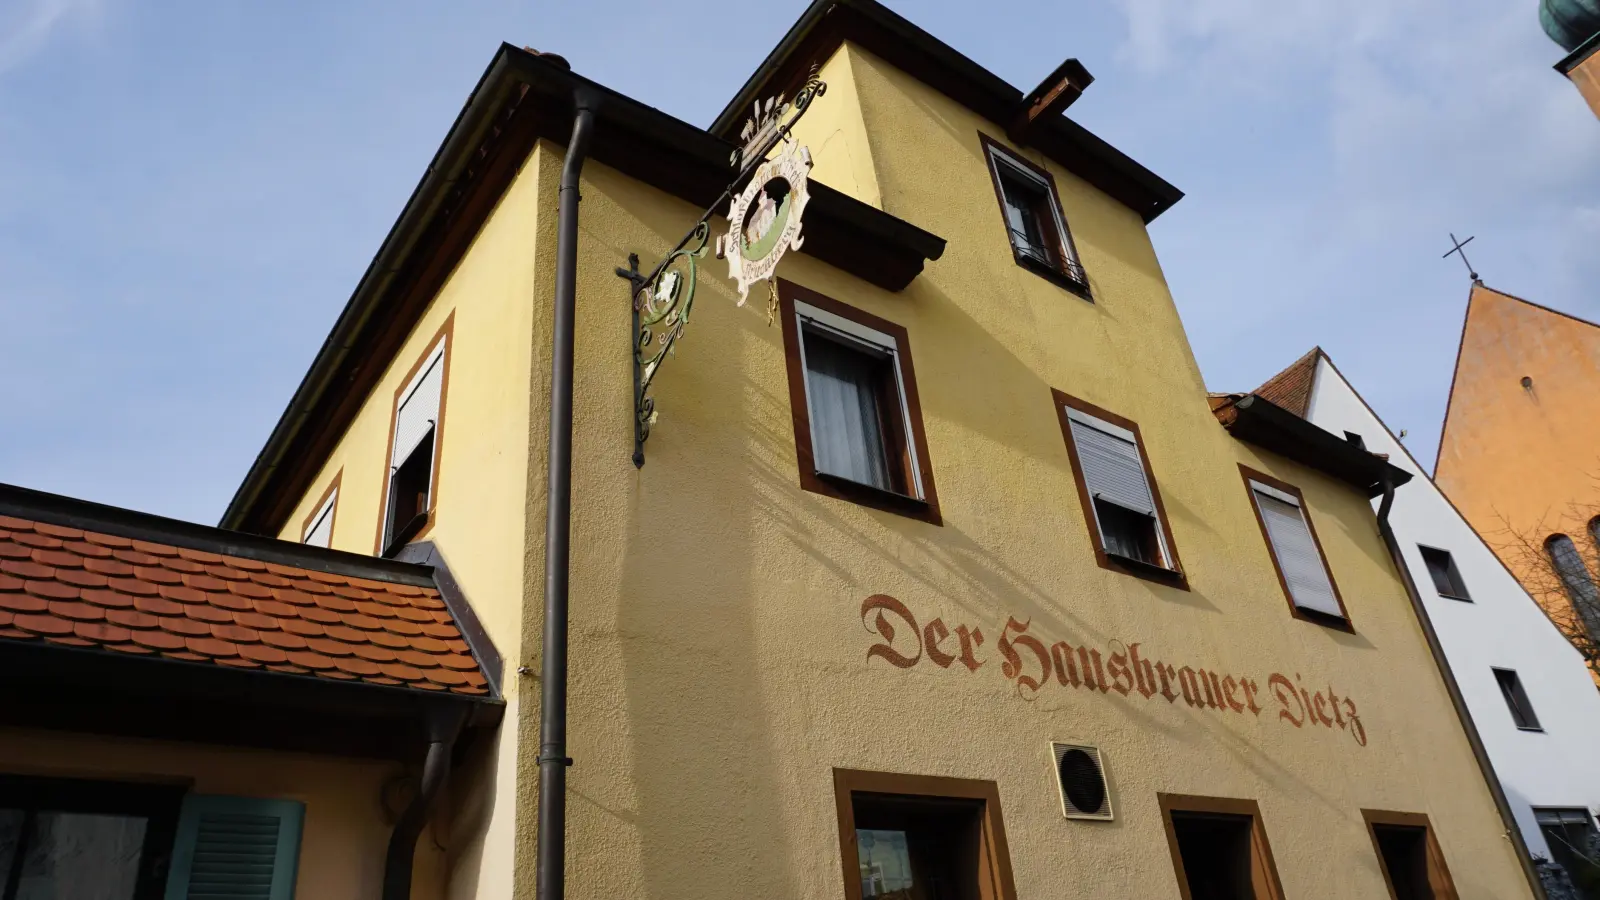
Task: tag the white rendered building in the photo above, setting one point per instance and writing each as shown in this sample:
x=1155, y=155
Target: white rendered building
x=1528, y=691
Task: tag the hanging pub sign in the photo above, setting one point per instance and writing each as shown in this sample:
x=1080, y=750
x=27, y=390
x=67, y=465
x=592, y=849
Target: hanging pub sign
x=766, y=200
x=764, y=218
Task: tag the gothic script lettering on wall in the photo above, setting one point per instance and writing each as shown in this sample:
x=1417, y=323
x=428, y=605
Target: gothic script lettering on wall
x=1034, y=663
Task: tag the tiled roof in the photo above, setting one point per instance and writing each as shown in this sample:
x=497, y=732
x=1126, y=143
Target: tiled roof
x=1291, y=388
x=115, y=594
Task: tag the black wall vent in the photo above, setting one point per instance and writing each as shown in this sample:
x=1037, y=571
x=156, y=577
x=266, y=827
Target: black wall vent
x=1081, y=778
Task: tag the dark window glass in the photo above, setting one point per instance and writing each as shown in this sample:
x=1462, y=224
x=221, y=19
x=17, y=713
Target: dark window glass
x=1404, y=850
x=1216, y=851
x=64, y=838
x=409, y=486
x=1576, y=580
x=1029, y=216
x=1127, y=533
x=1574, y=845
x=1516, y=699
x=919, y=848
x=857, y=424
x=1446, y=577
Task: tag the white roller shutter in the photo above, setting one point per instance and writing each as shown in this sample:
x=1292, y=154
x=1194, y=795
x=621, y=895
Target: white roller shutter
x=1296, y=551
x=320, y=534
x=1112, y=468
x=419, y=407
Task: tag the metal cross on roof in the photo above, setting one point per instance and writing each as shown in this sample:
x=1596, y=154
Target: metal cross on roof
x=1460, y=247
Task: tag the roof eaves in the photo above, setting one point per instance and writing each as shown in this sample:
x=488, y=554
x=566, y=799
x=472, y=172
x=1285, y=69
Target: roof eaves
x=827, y=23
x=523, y=96
x=1260, y=422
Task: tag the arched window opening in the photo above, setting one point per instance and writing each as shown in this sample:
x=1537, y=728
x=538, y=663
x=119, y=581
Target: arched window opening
x=1575, y=578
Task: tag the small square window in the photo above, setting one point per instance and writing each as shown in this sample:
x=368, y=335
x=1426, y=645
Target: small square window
x=908, y=837
x=1446, y=577
x=1517, y=700
x=1219, y=848
x=1126, y=520
x=1034, y=224
x=857, y=420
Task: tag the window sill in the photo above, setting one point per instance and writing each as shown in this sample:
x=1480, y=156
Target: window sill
x=402, y=537
x=1053, y=274
x=1147, y=570
x=868, y=495
x=1336, y=623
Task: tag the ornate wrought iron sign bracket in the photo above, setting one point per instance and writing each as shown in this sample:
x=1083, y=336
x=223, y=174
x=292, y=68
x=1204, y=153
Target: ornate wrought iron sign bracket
x=766, y=200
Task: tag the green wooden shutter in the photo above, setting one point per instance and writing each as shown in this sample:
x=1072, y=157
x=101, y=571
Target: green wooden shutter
x=236, y=848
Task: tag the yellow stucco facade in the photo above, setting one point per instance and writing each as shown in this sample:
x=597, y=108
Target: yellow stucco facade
x=723, y=636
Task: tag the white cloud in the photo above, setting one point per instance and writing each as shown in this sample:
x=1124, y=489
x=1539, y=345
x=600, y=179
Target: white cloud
x=26, y=26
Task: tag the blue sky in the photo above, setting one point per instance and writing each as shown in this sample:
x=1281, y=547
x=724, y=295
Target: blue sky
x=189, y=191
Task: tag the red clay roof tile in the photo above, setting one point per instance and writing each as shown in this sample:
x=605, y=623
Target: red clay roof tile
x=88, y=589
x=83, y=548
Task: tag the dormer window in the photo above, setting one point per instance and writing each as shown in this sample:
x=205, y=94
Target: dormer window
x=1034, y=224
x=413, y=471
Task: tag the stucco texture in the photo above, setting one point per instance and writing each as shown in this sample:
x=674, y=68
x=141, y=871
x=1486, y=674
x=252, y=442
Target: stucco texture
x=346, y=829
x=719, y=652
x=1521, y=462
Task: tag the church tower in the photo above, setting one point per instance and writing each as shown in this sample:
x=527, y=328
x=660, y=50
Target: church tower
x=1575, y=25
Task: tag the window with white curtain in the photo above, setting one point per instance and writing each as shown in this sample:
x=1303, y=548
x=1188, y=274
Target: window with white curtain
x=855, y=397
x=1121, y=500
x=319, y=531
x=1295, y=549
x=411, y=458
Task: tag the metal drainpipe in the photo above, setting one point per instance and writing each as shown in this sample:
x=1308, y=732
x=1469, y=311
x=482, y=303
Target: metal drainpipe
x=444, y=726
x=553, y=760
x=1507, y=818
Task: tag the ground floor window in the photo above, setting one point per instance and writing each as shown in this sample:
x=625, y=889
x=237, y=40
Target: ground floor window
x=1574, y=845
x=1219, y=848
x=916, y=837
x=1409, y=856
x=93, y=839
x=76, y=839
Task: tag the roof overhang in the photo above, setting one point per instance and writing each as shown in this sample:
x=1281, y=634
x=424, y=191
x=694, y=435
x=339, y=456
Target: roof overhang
x=522, y=97
x=93, y=692
x=826, y=24
x=1256, y=420
x=1579, y=53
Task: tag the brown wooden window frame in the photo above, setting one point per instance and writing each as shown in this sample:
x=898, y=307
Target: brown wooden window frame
x=329, y=493
x=1263, y=870
x=1173, y=577
x=1066, y=270
x=1308, y=615
x=1439, y=879
x=924, y=508
x=423, y=523
x=994, y=856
